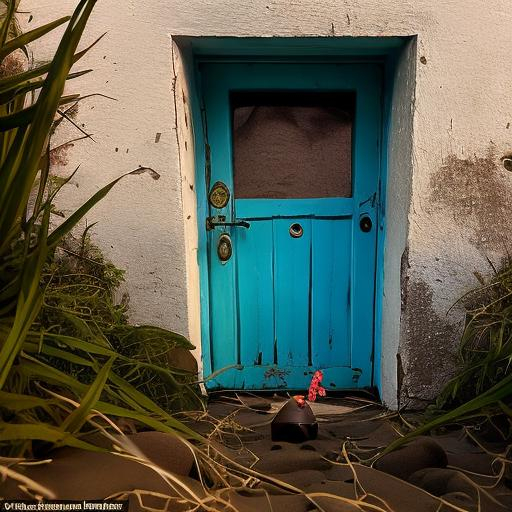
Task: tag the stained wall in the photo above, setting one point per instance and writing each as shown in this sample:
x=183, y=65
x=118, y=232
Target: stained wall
x=448, y=185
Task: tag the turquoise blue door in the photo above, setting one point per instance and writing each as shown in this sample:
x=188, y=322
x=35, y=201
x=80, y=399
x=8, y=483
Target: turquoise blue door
x=292, y=181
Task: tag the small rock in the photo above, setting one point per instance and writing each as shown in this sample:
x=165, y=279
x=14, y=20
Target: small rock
x=420, y=453
x=75, y=474
x=461, y=500
x=165, y=450
x=439, y=482
x=182, y=359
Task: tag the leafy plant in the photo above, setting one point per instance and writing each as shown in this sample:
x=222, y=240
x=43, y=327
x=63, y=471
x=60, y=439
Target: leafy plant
x=481, y=391
x=38, y=400
x=486, y=346
x=79, y=302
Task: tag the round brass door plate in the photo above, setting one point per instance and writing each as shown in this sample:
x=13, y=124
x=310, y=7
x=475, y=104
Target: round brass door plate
x=219, y=195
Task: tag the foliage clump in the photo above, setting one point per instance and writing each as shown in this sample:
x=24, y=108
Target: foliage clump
x=80, y=302
x=69, y=361
x=480, y=394
x=485, y=351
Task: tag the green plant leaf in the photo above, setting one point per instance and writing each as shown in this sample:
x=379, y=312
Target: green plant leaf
x=76, y=216
x=79, y=344
x=20, y=118
x=171, y=426
x=28, y=37
x=33, y=369
x=42, y=432
x=78, y=417
x=20, y=402
x=6, y=23
x=31, y=85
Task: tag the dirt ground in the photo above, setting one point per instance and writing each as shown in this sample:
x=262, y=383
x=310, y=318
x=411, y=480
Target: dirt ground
x=444, y=472
x=450, y=471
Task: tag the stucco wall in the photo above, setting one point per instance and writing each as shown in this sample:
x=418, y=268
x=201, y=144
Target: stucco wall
x=400, y=114
x=459, y=214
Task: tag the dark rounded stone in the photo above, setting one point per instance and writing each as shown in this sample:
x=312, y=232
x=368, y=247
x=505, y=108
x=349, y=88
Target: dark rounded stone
x=442, y=481
x=292, y=412
x=420, y=453
x=461, y=500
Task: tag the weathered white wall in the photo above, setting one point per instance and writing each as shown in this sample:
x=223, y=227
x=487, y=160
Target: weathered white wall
x=140, y=222
x=184, y=91
x=460, y=206
x=400, y=113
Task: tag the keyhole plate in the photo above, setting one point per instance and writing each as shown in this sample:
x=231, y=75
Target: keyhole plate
x=224, y=248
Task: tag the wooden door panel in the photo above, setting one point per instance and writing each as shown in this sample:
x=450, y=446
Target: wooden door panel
x=255, y=269
x=330, y=302
x=284, y=306
x=292, y=292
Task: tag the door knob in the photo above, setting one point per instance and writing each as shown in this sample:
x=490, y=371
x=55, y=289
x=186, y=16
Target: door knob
x=365, y=223
x=224, y=247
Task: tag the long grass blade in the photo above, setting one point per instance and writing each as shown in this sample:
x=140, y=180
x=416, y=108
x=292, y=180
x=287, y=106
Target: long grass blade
x=20, y=402
x=74, y=218
x=27, y=86
x=28, y=37
x=7, y=22
x=78, y=417
x=43, y=432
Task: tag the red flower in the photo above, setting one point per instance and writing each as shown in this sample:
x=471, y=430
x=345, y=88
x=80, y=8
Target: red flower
x=315, y=388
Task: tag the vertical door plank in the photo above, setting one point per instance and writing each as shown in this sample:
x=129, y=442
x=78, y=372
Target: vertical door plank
x=292, y=292
x=222, y=307
x=330, y=303
x=222, y=285
x=363, y=296
x=254, y=255
x=367, y=147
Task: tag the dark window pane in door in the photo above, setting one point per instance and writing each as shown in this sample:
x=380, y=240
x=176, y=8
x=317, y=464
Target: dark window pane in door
x=292, y=145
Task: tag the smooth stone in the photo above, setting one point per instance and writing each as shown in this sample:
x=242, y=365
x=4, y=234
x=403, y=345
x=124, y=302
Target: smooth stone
x=420, y=453
x=182, y=359
x=75, y=474
x=461, y=500
x=439, y=482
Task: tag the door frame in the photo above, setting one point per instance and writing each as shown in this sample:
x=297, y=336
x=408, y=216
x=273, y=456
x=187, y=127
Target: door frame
x=398, y=55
